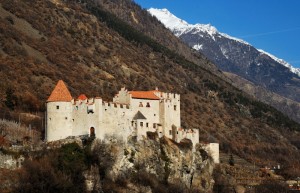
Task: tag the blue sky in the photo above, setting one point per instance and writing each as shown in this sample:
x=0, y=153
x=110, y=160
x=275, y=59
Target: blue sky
x=271, y=25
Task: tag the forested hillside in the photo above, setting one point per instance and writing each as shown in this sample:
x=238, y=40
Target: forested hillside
x=97, y=53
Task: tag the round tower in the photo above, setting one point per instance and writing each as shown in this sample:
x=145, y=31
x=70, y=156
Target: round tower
x=59, y=120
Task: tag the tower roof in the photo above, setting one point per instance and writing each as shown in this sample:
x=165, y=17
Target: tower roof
x=82, y=97
x=60, y=93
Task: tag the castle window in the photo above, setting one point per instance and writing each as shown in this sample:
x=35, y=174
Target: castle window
x=76, y=107
x=174, y=107
x=154, y=125
x=147, y=124
x=174, y=95
x=141, y=104
x=141, y=124
x=170, y=132
x=57, y=107
x=90, y=111
x=132, y=122
x=66, y=118
x=154, y=115
x=73, y=120
x=148, y=105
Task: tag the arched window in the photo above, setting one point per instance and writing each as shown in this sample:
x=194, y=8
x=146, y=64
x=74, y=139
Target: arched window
x=141, y=104
x=92, y=132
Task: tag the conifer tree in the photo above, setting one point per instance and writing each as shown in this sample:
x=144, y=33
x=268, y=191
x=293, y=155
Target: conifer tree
x=231, y=160
x=10, y=99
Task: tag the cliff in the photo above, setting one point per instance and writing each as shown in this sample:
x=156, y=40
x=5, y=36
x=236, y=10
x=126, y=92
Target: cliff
x=148, y=165
x=159, y=165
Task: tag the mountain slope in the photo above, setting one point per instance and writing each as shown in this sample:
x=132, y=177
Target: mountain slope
x=97, y=53
x=237, y=56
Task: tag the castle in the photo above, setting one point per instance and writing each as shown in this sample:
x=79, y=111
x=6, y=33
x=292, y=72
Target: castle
x=132, y=113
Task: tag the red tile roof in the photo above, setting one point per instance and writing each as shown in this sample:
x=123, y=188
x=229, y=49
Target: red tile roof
x=82, y=97
x=60, y=93
x=144, y=95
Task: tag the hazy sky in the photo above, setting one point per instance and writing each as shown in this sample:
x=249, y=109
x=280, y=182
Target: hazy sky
x=271, y=25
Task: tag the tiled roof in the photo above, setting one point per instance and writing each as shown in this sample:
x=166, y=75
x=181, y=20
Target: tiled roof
x=82, y=97
x=60, y=93
x=144, y=95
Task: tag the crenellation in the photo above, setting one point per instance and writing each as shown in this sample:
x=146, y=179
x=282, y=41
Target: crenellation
x=131, y=113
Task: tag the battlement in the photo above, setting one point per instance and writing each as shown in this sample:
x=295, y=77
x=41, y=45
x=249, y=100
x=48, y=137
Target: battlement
x=170, y=96
x=87, y=101
x=108, y=105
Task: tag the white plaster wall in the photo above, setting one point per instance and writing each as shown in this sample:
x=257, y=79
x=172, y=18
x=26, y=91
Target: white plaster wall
x=122, y=97
x=213, y=150
x=152, y=114
x=83, y=121
x=116, y=120
x=169, y=115
x=59, y=121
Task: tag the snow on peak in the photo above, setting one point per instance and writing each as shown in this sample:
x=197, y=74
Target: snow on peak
x=168, y=19
x=282, y=62
x=179, y=26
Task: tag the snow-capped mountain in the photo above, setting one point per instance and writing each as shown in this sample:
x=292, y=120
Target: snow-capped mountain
x=234, y=55
x=180, y=28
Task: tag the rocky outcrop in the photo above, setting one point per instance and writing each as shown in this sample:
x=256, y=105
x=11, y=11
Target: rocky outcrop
x=10, y=161
x=163, y=159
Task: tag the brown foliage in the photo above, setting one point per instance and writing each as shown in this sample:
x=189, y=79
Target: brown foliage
x=94, y=59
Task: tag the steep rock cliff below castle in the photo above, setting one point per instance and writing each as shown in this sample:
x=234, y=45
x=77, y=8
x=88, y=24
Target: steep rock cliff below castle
x=159, y=164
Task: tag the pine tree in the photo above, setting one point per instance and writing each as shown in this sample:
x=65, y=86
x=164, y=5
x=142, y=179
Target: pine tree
x=10, y=99
x=231, y=160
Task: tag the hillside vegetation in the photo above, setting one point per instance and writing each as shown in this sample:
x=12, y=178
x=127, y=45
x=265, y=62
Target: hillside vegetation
x=97, y=53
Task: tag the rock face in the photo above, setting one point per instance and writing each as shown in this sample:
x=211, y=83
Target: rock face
x=10, y=162
x=165, y=160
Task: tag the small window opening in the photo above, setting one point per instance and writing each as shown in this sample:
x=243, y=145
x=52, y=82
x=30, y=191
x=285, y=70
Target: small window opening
x=148, y=104
x=66, y=118
x=170, y=132
x=141, y=104
x=154, y=125
x=132, y=122
x=154, y=115
x=141, y=124
x=147, y=124
x=73, y=120
x=90, y=111
x=92, y=132
x=57, y=107
x=76, y=107
x=175, y=107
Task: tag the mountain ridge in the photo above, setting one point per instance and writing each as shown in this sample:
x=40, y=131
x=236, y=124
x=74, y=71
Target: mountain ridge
x=241, y=58
x=179, y=27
